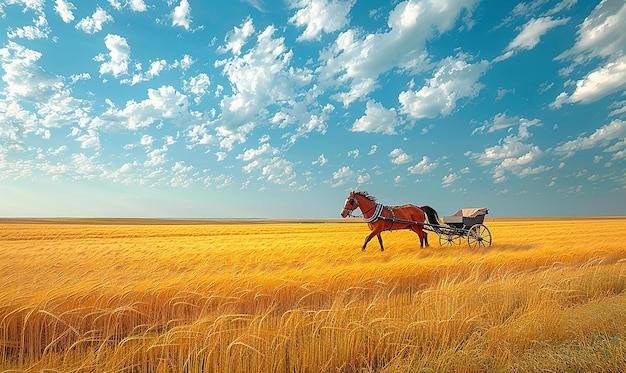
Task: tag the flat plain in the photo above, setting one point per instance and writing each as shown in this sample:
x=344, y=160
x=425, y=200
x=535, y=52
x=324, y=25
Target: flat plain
x=103, y=295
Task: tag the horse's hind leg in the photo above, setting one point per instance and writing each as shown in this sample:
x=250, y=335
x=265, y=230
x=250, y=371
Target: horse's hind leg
x=421, y=234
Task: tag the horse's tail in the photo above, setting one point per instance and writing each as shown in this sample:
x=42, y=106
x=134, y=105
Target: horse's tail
x=431, y=215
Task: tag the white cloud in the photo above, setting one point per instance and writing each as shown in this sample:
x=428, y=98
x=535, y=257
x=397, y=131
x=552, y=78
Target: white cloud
x=116, y=4
x=501, y=121
x=119, y=56
x=156, y=157
x=423, y=167
x=363, y=178
x=185, y=63
x=302, y=115
x=198, y=134
x=257, y=4
x=264, y=77
x=527, y=171
x=321, y=160
x=250, y=154
x=28, y=84
x=279, y=171
x=156, y=67
x=62, y=109
x=256, y=78
x=198, y=86
x=180, y=175
x=164, y=103
x=91, y=139
x=146, y=140
x=221, y=181
x=377, y=119
x=619, y=108
x=510, y=148
x=23, y=77
x=221, y=156
x=399, y=156
x=607, y=79
x=318, y=16
x=455, y=79
x=228, y=137
x=512, y=154
x=561, y=6
x=135, y=5
x=357, y=90
x=36, y=5
x=181, y=15
x=530, y=35
x=86, y=166
x=40, y=30
x=342, y=175
x=616, y=130
x=449, y=180
x=601, y=35
x=276, y=170
x=519, y=164
x=138, y=6
x=357, y=60
x=237, y=38
x=93, y=24
x=64, y=9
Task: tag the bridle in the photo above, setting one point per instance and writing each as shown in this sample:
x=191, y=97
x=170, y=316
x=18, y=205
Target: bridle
x=351, y=201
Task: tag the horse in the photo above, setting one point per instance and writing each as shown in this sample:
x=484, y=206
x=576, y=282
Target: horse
x=386, y=218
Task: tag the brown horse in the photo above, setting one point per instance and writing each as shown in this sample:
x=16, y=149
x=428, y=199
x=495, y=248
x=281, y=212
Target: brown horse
x=386, y=218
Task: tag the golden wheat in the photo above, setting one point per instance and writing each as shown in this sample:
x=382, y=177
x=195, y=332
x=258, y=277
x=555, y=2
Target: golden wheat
x=304, y=298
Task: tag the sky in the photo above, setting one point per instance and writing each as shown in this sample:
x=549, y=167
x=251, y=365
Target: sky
x=278, y=109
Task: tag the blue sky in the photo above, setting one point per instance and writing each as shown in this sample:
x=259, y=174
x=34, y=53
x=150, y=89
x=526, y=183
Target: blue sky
x=257, y=108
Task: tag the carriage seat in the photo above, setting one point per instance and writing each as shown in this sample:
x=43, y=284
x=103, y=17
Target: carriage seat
x=465, y=218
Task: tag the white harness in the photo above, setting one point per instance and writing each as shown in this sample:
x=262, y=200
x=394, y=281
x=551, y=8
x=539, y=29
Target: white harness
x=376, y=216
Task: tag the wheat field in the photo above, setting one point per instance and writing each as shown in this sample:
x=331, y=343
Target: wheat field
x=107, y=296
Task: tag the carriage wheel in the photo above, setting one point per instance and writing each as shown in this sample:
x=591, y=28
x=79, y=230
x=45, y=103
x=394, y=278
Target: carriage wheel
x=478, y=236
x=449, y=239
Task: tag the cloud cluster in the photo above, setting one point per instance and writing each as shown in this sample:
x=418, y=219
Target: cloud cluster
x=356, y=60
x=601, y=35
x=320, y=16
x=515, y=154
x=258, y=82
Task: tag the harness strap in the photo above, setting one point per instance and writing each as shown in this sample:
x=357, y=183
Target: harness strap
x=376, y=216
x=393, y=217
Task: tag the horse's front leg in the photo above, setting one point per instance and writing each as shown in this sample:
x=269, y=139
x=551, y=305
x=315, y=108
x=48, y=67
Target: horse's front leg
x=369, y=237
x=380, y=241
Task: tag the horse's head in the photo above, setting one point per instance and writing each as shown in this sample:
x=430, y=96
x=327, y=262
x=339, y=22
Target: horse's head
x=350, y=205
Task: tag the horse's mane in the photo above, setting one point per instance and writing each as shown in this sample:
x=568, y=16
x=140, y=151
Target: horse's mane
x=366, y=194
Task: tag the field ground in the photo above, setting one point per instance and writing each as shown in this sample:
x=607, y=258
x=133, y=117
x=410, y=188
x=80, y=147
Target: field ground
x=102, y=295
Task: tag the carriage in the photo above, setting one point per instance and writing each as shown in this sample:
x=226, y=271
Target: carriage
x=465, y=223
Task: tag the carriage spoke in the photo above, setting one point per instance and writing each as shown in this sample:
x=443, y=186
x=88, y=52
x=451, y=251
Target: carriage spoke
x=449, y=239
x=478, y=236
